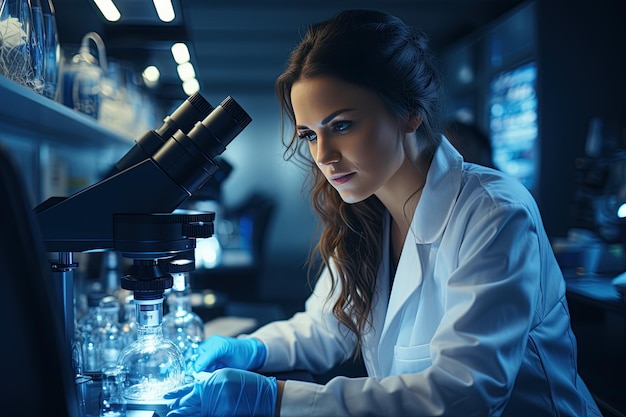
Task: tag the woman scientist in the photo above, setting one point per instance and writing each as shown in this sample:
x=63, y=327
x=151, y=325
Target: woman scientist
x=438, y=272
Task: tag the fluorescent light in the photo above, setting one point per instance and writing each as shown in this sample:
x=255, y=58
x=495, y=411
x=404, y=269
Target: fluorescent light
x=621, y=211
x=180, y=52
x=151, y=75
x=108, y=10
x=191, y=86
x=186, y=71
x=165, y=10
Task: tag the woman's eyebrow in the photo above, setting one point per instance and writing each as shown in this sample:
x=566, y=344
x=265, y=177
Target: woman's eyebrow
x=328, y=118
x=335, y=114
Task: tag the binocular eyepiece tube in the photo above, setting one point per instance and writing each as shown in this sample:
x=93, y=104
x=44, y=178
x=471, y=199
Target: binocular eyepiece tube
x=188, y=157
x=194, y=108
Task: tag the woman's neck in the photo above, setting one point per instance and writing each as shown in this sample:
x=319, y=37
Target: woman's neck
x=400, y=195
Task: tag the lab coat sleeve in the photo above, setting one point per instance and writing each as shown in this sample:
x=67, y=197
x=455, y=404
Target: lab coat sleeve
x=312, y=340
x=490, y=300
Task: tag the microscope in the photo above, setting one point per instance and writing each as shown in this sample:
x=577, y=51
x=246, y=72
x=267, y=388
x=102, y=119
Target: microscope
x=134, y=209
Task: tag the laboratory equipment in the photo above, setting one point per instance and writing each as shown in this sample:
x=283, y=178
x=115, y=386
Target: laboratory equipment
x=599, y=207
x=108, y=338
x=181, y=324
x=135, y=212
x=158, y=184
x=94, y=328
x=82, y=74
x=154, y=365
x=20, y=44
x=112, y=402
x=183, y=119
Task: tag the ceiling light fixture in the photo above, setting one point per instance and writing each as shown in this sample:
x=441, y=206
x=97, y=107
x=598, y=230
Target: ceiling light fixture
x=165, y=10
x=108, y=10
x=186, y=71
x=151, y=75
x=180, y=52
x=191, y=86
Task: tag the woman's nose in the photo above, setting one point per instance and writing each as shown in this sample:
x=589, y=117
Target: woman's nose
x=326, y=153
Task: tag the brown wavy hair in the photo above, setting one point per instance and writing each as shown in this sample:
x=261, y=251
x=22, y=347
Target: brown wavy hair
x=379, y=52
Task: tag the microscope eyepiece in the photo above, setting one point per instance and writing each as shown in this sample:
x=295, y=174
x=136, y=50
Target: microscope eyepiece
x=194, y=108
x=188, y=158
x=185, y=116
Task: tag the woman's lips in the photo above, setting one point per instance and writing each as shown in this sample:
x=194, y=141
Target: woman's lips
x=339, y=179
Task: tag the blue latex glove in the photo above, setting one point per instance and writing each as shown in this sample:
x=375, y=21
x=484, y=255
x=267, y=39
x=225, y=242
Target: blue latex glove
x=217, y=352
x=226, y=392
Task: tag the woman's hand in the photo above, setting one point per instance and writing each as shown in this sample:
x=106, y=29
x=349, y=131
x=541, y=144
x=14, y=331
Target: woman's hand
x=218, y=352
x=226, y=392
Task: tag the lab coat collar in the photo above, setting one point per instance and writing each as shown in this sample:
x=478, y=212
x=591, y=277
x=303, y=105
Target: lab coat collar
x=443, y=183
x=429, y=221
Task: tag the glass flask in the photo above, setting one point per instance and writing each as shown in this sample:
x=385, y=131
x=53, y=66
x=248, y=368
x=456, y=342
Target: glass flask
x=112, y=402
x=154, y=365
x=181, y=325
x=20, y=45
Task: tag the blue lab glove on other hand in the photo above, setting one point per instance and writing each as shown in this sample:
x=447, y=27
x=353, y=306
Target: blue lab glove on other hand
x=218, y=352
x=226, y=392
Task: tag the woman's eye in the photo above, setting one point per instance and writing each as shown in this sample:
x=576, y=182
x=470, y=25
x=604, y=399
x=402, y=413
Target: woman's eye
x=308, y=135
x=341, y=125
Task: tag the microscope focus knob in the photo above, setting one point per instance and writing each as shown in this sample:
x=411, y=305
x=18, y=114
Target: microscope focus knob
x=198, y=230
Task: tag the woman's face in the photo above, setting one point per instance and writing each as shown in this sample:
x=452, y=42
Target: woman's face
x=353, y=138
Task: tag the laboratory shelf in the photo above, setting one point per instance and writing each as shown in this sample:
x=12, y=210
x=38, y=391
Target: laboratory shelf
x=28, y=113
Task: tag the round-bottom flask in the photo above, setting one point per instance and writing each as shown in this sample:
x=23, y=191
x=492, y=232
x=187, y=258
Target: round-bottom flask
x=153, y=364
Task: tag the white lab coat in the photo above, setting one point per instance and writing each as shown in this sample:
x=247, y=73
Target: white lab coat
x=476, y=324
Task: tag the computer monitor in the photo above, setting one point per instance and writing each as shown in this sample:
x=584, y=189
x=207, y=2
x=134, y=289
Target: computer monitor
x=513, y=122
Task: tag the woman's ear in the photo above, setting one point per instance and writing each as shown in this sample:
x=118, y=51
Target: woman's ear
x=413, y=123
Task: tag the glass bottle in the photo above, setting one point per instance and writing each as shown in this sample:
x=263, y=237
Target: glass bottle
x=102, y=335
x=86, y=326
x=18, y=36
x=181, y=325
x=153, y=364
x=108, y=334
x=112, y=402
